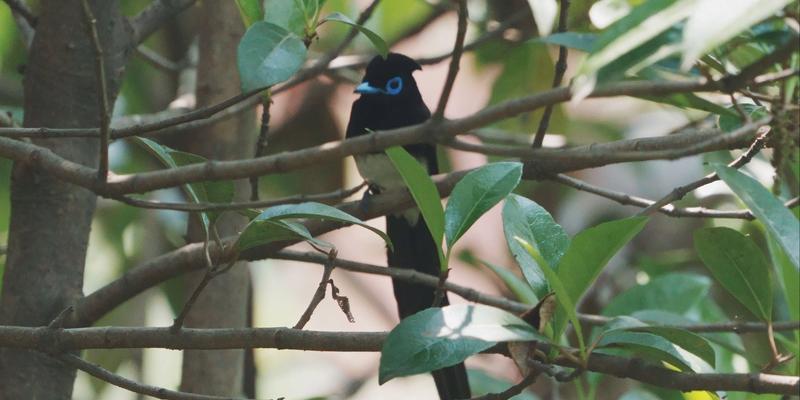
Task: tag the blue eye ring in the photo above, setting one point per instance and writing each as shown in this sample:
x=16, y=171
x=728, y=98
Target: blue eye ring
x=394, y=86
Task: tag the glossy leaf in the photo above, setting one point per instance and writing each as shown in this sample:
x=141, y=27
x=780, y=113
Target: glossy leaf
x=287, y=14
x=440, y=337
x=779, y=221
x=544, y=12
x=688, y=341
x=377, y=41
x=476, y=193
x=525, y=219
x=261, y=232
x=199, y=192
x=591, y=250
x=517, y=286
x=739, y=265
x=648, y=345
x=675, y=292
x=315, y=211
x=268, y=54
x=788, y=276
x=424, y=192
x=567, y=303
x=711, y=25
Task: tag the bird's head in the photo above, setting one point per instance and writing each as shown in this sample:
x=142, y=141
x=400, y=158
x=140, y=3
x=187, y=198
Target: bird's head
x=389, y=79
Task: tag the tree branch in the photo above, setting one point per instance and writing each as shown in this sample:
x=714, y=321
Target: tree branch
x=670, y=210
x=133, y=386
x=452, y=72
x=154, y=16
x=59, y=340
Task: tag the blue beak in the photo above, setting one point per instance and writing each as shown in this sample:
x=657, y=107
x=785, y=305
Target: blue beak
x=365, y=88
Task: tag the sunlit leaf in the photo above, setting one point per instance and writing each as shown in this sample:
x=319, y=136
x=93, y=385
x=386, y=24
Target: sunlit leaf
x=440, y=337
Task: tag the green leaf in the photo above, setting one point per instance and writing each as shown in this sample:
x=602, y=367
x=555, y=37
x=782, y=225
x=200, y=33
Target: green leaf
x=261, y=232
x=591, y=250
x=710, y=25
x=517, y=286
x=647, y=344
x=565, y=301
x=588, y=254
x=675, y=292
x=779, y=221
x=378, y=42
x=732, y=121
x=287, y=14
x=476, y=193
x=440, y=337
x=788, y=276
x=575, y=40
x=739, y=265
x=268, y=54
x=527, y=68
x=250, y=10
x=200, y=192
x=693, y=101
x=640, y=26
x=688, y=341
x=525, y=219
x=424, y=192
x=315, y=211
x=544, y=12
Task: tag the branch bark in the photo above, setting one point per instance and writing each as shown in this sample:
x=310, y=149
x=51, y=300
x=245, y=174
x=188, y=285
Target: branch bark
x=50, y=218
x=58, y=340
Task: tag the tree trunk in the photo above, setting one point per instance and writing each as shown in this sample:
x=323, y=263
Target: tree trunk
x=50, y=219
x=223, y=303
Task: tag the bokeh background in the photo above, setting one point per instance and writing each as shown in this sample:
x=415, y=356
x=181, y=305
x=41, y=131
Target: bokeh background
x=317, y=112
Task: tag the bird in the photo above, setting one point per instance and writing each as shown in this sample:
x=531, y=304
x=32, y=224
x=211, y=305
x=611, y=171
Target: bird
x=390, y=98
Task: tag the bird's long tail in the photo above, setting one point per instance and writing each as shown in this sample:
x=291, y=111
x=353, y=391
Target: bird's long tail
x=414, y=248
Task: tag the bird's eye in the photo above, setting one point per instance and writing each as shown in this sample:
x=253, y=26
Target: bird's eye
x=394, y=85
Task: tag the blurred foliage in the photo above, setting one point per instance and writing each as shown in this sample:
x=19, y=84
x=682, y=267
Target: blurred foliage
x=660, y=279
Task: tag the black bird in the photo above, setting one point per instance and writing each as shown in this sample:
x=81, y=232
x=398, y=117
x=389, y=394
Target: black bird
x=390, y=99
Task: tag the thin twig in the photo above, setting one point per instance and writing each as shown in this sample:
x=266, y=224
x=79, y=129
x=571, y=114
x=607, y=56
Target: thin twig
x=681, y=191
x=319, y=294
x=458, y=49
x=261, y=142
x=205, y=207
x=510, y=392
x=102, y=90
x=133, y=386
x=157, y=60
x=470, y=294
x=177, y=323
x=558, y=76
x=670, y=210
